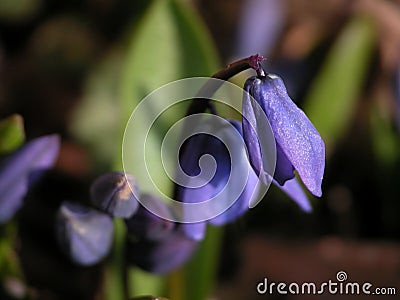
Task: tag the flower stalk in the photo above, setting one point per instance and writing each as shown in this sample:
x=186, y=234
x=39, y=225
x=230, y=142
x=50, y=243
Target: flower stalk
x=200, y=105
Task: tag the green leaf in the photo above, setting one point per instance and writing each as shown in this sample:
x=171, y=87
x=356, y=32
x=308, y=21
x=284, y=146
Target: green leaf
x=385, y=140
x=19, y=10
x=143, y=283
x=116, y=270
x=10, y=266
x=12, y=133
x=170, y=43
x=334, y=94
x=97, y=120
x=201, y=270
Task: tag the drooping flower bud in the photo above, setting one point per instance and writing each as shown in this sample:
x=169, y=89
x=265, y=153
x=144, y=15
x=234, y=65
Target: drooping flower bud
x=112, y=194
x=298, y=144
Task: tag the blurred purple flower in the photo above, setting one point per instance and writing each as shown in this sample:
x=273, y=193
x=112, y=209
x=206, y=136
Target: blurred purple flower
x=84, y=234
x=155, y=244
x=298, y=144
x=259, y=27
x=112, y=194
x=22, y=169
x=202, y=144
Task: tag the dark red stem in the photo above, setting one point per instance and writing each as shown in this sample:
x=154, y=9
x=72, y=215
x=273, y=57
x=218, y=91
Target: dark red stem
x=200, y=105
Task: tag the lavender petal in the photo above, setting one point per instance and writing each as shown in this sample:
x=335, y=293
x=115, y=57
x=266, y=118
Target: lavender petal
x=22, y=169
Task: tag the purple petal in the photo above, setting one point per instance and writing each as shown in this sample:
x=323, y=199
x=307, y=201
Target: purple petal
x=147, y=224
x=84, y=234
x=204, y=144
x=250, y=136
x=259, y=26
x=293, y=131
x=22, y=169
x=293, y=189
x=241, y=205
x=250, y=189
x=284, y=168
x=197, y=146
x=112, y=194
x=233, y=187
x=195, y=231
x=257, y=135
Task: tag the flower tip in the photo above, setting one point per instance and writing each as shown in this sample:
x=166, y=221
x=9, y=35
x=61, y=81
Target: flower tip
x=53, y=137
x=313, y=184
x=307, y=208
x=52, y=141
x=318, y=192
x=253, y=203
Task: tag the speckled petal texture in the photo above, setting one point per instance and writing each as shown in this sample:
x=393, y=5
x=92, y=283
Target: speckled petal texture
x=293, y=131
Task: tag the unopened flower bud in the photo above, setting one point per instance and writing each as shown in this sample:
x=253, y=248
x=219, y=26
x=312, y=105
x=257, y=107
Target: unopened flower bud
x=112, y=193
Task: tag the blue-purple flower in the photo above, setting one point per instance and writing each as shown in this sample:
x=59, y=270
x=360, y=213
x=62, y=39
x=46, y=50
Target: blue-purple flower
x=22, y=169
x=298, y=144
x=234, y=180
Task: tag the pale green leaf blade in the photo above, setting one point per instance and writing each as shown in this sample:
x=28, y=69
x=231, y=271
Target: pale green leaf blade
x=334, y=94
x=12, y=133
x=96, y=122
x=170, y=44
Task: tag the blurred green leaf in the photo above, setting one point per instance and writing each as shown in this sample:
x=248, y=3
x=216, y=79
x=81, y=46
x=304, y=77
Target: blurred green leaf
x=19, y=10
x=97, y=121
x=142, y=282
x=148, y=298
x=385, y=140
x=9, y=260
x=201, y=271
x=170, y=43
x=12, y=133
x=116, y=270
x=335, y=91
